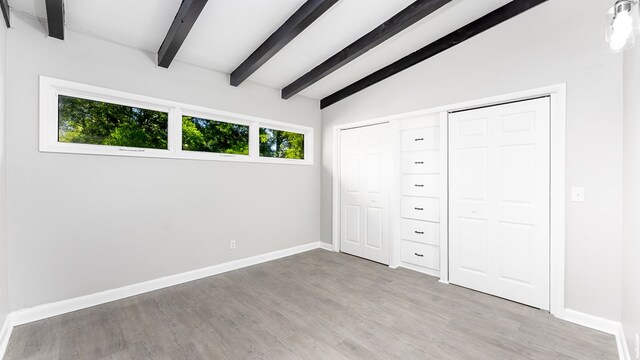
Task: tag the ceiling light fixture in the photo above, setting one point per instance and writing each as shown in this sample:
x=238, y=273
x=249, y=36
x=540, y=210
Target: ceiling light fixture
x=622, y=24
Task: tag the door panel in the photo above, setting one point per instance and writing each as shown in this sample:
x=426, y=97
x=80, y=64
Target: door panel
x=375, y=228
x=516, y=245
x=352, y=224
x=365, y=171
x=499, y=200
x=374, y=174
x=473, y=254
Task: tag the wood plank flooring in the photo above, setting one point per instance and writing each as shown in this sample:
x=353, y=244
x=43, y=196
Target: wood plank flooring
x=316, y=305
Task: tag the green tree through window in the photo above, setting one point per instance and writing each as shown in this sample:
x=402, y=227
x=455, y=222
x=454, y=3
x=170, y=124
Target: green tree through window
x=83, y=121
x=281, y=144
x=214, y=136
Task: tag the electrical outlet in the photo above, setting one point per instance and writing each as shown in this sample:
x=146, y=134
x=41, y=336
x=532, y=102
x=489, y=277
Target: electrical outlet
x=637, y=346
x=577, y=194
x=232, y=245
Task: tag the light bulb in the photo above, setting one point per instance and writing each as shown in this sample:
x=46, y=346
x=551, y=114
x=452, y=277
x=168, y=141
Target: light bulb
x=622, y=28
x=623, y=23
x=617, y=42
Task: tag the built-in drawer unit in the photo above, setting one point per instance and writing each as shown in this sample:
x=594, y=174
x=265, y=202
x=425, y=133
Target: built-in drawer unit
x=420, y=231
x=421, y=139
x=426, y=185
x=420, y=254
x=418, y=208
x=421, y=162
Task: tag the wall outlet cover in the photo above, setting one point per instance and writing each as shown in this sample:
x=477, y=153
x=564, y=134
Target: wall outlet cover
x=577, y=194
x=232, y=245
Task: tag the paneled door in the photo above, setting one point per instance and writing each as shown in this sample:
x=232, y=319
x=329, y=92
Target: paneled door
x=365, y=169
x=499, y=171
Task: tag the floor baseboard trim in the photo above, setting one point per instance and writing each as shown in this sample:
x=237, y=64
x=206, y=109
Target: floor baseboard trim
x=420, y=269
x=44, y=311
x=591, y=321
x=621, y=341
x=326, y=246
x=601, y=324
x=5, y=334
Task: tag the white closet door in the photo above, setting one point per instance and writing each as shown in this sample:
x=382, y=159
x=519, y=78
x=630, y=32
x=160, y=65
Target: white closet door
x=365, y=170
x=499, y=200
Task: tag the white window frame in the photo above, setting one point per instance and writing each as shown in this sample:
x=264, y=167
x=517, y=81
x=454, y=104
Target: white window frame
x=51, y=88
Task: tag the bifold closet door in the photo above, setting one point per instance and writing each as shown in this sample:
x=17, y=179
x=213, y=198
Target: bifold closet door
x=365, y=169
x=499, y=200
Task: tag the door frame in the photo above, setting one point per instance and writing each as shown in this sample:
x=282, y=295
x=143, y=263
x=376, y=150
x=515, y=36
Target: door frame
x=558, y=96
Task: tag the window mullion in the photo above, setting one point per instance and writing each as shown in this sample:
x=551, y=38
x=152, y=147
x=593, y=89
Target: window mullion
x=254, y=140
x=175, y=130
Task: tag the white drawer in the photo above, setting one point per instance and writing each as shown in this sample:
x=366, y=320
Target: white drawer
x=427, y=209
x=421, y=139
x=421, y=231
x=420, y=254
x=421, y=162
x=427, y=185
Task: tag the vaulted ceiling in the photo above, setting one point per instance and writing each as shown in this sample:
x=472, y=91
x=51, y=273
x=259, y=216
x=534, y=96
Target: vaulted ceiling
x=228, y=31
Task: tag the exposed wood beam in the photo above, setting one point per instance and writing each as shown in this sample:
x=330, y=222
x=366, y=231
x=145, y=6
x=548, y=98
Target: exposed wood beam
x=300, y=20
x=402, y=20
x=4, y=4
x=182, y=24
x=466, y=32
x=55, y=18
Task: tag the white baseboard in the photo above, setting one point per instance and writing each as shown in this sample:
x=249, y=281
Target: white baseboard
x=420, y=269
x=621, y=341
x=591, y=321
x=5, y=334
x=62, y=307
x=605, y=325
x=326, y=246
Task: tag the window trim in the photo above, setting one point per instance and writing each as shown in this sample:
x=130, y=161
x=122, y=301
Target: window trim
x=50, y=88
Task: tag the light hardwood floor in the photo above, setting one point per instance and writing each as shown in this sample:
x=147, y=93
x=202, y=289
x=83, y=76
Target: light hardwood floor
x=316, y=305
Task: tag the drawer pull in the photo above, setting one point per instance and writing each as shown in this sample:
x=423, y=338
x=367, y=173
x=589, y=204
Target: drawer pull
x=418, y=139
x=419, y=255
x=419, y=185
x=419, y=232
x=419, y=162
x=419, y=209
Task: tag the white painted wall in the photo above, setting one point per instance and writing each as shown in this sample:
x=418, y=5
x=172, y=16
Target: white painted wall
x=80, y=224
x=631, y=209
x=4, y=267
x=557, y=42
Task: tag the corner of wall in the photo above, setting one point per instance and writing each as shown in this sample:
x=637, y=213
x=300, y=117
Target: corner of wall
x=631, y=202
x=4, y=266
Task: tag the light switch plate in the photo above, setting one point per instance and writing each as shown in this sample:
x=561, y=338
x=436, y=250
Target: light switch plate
x=577, y=194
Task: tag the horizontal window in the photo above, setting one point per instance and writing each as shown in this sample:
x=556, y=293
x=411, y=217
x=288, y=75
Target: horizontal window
x=281, y=144
x=84, y=119
x=214, y=136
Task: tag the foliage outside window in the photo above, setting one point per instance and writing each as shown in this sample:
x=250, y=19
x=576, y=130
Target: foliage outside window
x=214, y=136
x=75, y=120
x=84, y=121
x=281, y=144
